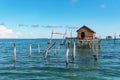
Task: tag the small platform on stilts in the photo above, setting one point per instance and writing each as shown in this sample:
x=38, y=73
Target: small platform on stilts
x=80, y=43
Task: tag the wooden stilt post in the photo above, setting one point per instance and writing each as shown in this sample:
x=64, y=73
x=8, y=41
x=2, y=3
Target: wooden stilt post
x=63, y=39
x=14, y=52
x=95, y=56
x=115, y=38
x=38, y=49
x=48, y=46
x=67, y=52
x=95, y=51
x=73, y=51
x=97, y=44
x=58, y=48
x=80, y=43
x=47, y=50
x=93, y=45
x=55, y=48
x=30, y=50
x=90, y=44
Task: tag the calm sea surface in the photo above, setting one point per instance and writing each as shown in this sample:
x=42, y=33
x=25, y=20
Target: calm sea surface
x=54, y=66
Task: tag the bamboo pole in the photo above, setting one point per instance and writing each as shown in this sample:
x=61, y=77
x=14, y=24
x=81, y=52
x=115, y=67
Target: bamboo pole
x=14, y=52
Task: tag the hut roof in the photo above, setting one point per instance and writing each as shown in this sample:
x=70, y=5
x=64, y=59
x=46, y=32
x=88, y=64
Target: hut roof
x=86, y=28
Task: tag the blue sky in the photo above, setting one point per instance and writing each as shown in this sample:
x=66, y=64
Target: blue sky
x=38, y=18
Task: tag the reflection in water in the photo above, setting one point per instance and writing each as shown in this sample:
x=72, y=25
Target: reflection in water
x=74, y=65
x=39, y=58
x=14, y=64
x=95, y=64
x=30, y=61
x=38, y=49
x=67, y=68
x=55, y=59
x=85, y=58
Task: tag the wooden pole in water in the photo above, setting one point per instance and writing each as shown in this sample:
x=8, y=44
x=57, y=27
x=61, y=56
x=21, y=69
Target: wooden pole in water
x=38, y=48
x=47, y=50
x=67, y=52
x=90, y=44
x=93, y=45
x=14, y=52
x=97, y=44
x=48, y=46
x=71, y=37
x=58, y=48
x=63, y=38
x=115, y=38
x=73, y=51
x=30, y=50
x=55, y=48
x=95, y=51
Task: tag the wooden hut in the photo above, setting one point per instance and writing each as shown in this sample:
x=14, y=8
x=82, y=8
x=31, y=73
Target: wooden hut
x=85, y=33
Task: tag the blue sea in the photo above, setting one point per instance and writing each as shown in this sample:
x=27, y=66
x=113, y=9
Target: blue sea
x=54, y=67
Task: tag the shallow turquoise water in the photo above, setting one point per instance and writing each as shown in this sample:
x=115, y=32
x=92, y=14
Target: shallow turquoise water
x=54, y=67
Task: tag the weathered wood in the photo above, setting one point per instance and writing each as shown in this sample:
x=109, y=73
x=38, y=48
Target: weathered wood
x=73, y=51
x=95, y=50
x=30, y=50
x=38, y=49
x=85, y=33
x=67, y=52
x=48, y=46
x=14, y=52
x=55, y=48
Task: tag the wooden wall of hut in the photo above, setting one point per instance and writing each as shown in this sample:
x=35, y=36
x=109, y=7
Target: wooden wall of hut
x=85, y=33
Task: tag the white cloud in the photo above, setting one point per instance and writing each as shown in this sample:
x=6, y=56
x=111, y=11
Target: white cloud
x=103, y=6
x=8, y=33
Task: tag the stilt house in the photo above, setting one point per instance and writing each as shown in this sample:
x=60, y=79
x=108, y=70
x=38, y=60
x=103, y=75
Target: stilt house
x=85, y=33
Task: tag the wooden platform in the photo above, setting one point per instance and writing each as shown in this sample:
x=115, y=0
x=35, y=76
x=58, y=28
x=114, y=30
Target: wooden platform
x=82, y=43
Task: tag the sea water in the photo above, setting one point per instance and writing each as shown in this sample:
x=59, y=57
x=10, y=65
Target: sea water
x=54, y=67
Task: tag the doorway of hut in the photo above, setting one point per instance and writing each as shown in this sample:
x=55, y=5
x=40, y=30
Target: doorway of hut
x=82, y=35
